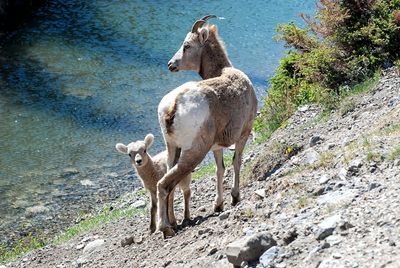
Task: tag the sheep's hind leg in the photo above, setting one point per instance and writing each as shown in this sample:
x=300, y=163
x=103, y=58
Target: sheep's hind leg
x=171, y=212
x=219, y=160
x=186, y=192
x=237, y=162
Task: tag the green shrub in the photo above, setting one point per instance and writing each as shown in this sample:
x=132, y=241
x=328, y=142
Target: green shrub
x=344, y=44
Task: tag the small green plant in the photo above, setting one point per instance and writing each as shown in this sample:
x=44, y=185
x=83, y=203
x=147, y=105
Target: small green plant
x=395, y=154
x=346, y=106
x=22, y=246
x=247, y=213
x=302, y=202
x=95, y=221
x=325, y=160
x=141, y=192
x=392, y=129
x=372, y=156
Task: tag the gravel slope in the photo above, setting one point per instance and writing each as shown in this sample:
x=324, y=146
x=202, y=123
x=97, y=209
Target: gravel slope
x=326, y=188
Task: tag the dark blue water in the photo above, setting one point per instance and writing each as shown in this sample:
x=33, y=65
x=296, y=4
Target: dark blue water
x=84, y=75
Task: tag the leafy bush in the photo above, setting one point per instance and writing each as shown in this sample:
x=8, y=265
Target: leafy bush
x=344, y=44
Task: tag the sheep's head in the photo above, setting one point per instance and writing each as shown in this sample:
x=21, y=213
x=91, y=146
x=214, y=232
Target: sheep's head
x=137, y=150
x=188, y=56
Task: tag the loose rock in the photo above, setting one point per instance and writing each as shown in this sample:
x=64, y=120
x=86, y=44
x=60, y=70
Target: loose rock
x=269, y=256
x=249, y=248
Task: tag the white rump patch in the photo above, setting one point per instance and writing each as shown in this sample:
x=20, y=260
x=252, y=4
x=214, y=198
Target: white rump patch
x=192, y=111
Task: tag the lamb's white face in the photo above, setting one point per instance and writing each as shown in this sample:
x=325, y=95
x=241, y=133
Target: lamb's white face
x=138, y=153
x=188, y=56
x=137, y=150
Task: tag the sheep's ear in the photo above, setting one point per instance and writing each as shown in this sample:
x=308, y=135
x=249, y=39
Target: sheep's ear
x=203, y=35
x=149, y=140
x=122, y=148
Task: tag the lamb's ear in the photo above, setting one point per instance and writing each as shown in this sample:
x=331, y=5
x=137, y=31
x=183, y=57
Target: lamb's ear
x=203, y=35
x=122, y=148
x=149, y=140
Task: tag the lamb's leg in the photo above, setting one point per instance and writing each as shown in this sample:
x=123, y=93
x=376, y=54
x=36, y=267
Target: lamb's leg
x=185, y=188
x=237, y=162
x=188, y=160
x=153, y=212
x=219, y=200
x=171, y=213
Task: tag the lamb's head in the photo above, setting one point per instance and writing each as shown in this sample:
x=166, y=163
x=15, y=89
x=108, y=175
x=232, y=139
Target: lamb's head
x=137, y=150
x=188, y=56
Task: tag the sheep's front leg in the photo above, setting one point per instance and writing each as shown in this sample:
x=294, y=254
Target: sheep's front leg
x=219, y=160
x=153, y=212
x=237, y=162
x=187, y=162
x=164, y=188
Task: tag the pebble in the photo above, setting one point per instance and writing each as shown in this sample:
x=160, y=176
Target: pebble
x=373, y=185
x=261, y=193
x=224, y=215
x=80, y=246
x=314, y=140
x=87, y=183
x=324, y=179
x=311, y=156
x=139, y=204
x=126, y=241
x=202, y=209
x=39, y=209
x=248, y=231
x=212, y=251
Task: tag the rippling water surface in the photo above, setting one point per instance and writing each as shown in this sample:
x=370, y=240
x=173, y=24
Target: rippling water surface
x=84, y=75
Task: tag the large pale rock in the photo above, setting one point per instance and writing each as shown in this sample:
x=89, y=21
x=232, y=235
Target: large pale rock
x=269, y=256
x=93, y=246
x=337, y=197
x=327, y=226
x=249, y=248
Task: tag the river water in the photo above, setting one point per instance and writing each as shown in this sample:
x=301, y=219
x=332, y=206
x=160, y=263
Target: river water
x=81, y=76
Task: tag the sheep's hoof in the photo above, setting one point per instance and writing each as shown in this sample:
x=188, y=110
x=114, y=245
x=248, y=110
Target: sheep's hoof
x=174, y=225
x=168, y=232
x=235, y=200
x=219, y=208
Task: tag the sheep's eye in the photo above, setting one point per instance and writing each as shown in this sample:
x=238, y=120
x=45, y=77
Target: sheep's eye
x=144, y=151
x=185, y=47
x=130, y=155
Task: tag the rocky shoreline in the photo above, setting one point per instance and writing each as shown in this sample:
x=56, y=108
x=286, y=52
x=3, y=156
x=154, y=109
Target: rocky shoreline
x=321, y=192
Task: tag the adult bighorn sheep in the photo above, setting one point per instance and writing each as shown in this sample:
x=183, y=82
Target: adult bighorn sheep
x=197, y=117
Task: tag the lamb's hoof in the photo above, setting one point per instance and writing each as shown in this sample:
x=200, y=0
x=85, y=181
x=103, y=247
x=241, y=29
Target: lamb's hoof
x=168, y=232
x=219, y=208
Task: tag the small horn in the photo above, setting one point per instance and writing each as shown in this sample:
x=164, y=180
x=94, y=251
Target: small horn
x=205, y=18
x=197, y=25
x=201, y=22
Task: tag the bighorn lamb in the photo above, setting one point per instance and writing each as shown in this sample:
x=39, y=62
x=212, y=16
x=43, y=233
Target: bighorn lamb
x=197, y=117
x=151, y=170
